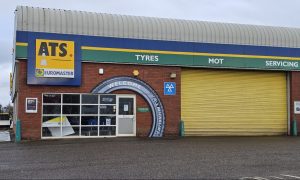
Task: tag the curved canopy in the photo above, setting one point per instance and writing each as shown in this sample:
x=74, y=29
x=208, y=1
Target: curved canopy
x=123, y=26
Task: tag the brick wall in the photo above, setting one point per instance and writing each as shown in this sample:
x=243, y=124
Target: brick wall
x=294, y=96
x=155, y=76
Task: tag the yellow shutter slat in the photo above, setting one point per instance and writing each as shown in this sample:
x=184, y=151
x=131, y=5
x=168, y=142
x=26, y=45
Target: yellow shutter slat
x=232, y=102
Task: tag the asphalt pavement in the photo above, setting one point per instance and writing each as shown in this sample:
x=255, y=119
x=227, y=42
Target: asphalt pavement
x=136, y=158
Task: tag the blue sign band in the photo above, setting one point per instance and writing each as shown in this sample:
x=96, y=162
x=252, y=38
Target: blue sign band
x=111, y=42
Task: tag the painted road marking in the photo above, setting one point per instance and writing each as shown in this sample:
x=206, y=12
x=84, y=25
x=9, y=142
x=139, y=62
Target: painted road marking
x=276, y=177
x=272, y=177
x=243, y=178
x=260, y=178
x=286, y=175
x=256, y=178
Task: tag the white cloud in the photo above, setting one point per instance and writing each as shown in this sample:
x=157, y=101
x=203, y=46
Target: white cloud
x=4, y=84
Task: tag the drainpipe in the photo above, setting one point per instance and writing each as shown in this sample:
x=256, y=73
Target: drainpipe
x=181, y=128
x=294, y=127
x=18, y=131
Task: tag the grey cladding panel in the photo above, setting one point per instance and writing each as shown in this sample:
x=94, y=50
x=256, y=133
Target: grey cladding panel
x=99, y=24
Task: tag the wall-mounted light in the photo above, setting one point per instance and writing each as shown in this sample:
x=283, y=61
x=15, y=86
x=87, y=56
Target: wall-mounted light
x=135, y=73
x=101, y=71
x=172, y=75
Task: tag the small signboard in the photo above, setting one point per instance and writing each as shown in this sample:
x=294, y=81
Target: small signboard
x=31, y=105
x=297, y=107
x=169, y=88
x=143, y=109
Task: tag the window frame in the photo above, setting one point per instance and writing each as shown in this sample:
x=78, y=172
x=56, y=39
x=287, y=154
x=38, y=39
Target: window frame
x=61, y=115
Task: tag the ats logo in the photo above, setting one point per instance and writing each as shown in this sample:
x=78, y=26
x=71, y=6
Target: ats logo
x=54, y=58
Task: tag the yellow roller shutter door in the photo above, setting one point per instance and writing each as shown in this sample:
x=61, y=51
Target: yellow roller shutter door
x=231, y=102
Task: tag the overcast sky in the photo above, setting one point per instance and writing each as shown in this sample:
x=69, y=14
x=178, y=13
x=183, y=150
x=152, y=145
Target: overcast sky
x=261, y=12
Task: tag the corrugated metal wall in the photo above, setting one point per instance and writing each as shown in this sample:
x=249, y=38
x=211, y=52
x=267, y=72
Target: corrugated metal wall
x=99, y=24
x=230, y=102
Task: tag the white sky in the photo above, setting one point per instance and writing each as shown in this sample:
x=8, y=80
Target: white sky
x=261, y=12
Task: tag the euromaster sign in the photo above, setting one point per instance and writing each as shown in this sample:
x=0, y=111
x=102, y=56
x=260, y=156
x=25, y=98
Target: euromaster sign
x=54, y=58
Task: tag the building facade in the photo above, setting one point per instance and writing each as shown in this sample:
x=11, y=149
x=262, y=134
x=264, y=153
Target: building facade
x=81, y=75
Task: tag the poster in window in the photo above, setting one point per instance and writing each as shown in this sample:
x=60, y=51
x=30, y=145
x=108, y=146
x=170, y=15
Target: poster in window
x=297, y=107
x=108, y=121
x=31, y=105
x=125, y=107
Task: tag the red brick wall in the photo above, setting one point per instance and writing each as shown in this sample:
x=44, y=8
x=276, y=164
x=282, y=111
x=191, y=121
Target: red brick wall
x=155, y=76
x=294, y=95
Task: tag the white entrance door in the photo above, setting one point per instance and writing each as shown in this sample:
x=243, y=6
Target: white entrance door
x=126, y=115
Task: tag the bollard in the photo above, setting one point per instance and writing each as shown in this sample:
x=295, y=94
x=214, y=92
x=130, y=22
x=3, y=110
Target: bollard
x=181, y=128
x=294, y=128
x=18, y=131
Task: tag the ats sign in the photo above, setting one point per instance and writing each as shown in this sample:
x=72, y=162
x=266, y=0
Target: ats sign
x=54, y=58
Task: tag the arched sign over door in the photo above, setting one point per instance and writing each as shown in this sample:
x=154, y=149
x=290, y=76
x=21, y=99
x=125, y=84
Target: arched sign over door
x=136, y=85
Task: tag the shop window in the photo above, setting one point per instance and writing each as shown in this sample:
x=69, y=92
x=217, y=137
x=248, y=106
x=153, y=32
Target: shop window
x=78, y=115
x=107, y=120
x=52, y=98
x=89, y=99
x=107, y=99
x=51, y=126
x=89, y=109
x=107, y=131
x=76, y=130
x=47, y=133
x=71, y=98
x=89, y=120
x=52, y=109
x=74, y=120
x=70, y=126
x=51, y=119
x=89, y=131
x=107, y=109
x=71, y=109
